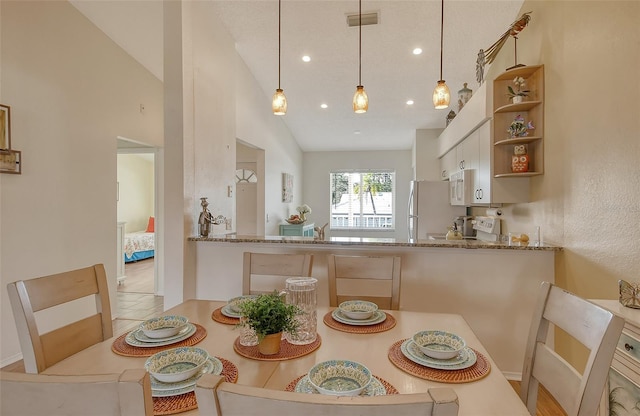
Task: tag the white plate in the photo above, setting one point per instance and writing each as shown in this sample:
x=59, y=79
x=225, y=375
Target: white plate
x=375, y=388
x=142, y=337
x=377, y=317
x=412, y=352
x=134, y=342
x=213, y=366
x=226, y=311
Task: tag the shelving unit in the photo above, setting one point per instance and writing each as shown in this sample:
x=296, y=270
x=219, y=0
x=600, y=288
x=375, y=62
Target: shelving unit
x=504, y=112
x=300, y=230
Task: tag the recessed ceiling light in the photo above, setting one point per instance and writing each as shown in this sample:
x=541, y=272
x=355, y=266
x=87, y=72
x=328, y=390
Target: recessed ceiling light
x=409, y=102
x=306, y=58
x=417, y=51
x=356, y=132
x=323, y=106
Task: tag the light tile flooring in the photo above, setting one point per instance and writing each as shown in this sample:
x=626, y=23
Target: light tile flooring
x=135, y=299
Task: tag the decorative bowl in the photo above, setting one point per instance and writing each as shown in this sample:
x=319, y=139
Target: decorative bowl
x=339, y=377
x=176, y=364
x=439, y=344
x=295, y=221
x=163, y=326
x=234, y=303
x=358, y=309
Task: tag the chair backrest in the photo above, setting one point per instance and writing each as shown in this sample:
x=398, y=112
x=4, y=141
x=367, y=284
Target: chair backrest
x=40, y=351
x=272, y=270
x=372, y=278
x=594, y=327
x=125, y=394
x=216, y=397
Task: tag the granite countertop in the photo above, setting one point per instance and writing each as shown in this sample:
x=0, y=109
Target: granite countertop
x=370, y=241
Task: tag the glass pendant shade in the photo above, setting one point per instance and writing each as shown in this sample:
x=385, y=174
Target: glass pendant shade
x=441, y=95
x=279, y=103
x=360, y=100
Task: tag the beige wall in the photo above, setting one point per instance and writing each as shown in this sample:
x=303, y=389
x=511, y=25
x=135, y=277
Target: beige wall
x=588, y=200
x=72, y=92
x=135, y=191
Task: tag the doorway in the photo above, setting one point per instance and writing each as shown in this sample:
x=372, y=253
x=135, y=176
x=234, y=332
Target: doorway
x=139, y=289
x=250, y=209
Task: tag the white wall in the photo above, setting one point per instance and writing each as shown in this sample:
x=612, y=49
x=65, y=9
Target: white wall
x=318, y=165
x=426, y=165
x=135, y=191
x=588, y=199
x=72, y=92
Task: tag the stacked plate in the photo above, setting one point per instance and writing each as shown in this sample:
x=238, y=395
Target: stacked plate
x=465, y=358
x=231, y=309
x=358, y=312
x=158, y=332
x=176, y=371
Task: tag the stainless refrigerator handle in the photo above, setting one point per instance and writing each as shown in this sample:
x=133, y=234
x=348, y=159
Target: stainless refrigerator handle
x=409, y=229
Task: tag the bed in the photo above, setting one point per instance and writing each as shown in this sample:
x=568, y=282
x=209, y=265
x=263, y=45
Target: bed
x=138, y=246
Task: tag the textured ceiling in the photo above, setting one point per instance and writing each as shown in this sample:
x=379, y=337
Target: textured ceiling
x=391, y=74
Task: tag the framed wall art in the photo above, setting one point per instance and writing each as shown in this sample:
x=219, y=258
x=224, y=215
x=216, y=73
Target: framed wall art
x=10, y=161
x=287, y=187
x=5, y=127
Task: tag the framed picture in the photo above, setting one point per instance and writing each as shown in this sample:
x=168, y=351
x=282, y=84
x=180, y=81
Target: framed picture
x=5, y=127
x=10, y=161
x=287, y=187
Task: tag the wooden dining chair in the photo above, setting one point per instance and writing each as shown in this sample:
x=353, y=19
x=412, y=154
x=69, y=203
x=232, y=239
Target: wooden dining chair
x=372, y=278
x=125, y=394
x=40, y=351
x=594, y=327
x=217, y=397
x=264, y=273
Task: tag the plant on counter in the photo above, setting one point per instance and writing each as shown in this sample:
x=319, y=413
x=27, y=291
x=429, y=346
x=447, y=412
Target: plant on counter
x=520, y=83
x=268, y=314
x=303, y=210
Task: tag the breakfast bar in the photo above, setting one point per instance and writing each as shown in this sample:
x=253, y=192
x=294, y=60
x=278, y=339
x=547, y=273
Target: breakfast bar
x=491, y=285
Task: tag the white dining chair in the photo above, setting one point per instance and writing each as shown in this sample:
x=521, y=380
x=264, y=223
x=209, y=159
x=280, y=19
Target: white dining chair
x=27, y=297
x=266, y=272
x=217, y=397
x=372, y=278
x=125, y=394
x=594, y=327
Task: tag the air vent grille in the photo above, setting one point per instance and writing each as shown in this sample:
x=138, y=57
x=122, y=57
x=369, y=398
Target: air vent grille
x=367, y=19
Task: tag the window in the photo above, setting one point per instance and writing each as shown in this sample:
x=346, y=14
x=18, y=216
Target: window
x=363, y=200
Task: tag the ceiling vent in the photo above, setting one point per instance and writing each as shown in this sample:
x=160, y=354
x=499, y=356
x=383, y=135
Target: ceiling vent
x=367, y=19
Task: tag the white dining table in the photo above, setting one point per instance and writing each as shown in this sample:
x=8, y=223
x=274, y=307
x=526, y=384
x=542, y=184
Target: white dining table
x=491, y=395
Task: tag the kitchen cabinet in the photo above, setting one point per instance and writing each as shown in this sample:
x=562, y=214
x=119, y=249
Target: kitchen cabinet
x=504, y=113
x=300, y=230
x=623, y=383
x=448, y=164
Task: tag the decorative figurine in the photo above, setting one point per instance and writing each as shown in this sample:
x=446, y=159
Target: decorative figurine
x=519, y=128
x=520, y=159
x=206, y=219
x=451, y=116
x=516, y=27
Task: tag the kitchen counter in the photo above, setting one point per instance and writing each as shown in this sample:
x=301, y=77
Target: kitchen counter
x=490, y=284
x=373, y=242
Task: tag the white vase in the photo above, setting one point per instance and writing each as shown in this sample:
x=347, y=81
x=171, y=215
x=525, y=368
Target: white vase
x=517, y=99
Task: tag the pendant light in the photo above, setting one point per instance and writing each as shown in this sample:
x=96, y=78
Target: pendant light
x=279, y=103
x=360, y=99
x=441, y=95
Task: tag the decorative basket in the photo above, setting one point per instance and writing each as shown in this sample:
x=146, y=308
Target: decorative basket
x=629, y=294
x=295, y=222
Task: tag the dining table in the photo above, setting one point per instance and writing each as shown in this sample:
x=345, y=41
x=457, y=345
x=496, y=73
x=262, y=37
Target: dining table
x=484, y=392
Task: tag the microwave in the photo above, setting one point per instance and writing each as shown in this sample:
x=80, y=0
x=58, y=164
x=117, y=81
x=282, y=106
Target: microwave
x=461, y=187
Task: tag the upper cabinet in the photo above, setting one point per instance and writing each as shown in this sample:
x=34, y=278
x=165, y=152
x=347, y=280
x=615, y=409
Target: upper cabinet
x=518, y=135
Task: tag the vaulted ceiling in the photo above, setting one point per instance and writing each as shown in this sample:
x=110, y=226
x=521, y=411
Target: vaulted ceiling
x=391, y=73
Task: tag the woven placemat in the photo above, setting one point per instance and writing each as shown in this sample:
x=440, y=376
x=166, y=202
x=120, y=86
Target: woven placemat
x=121, y=347
x=187, y=401
x=387, y=386
x=477, y=371
x=287, y=351
x=218, y=316
x=385, y=325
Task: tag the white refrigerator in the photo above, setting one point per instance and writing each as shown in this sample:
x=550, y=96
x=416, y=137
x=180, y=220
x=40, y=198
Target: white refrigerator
x=430, y=211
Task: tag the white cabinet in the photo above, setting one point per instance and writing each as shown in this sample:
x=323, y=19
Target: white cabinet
x=448, y=164
x=120, y=251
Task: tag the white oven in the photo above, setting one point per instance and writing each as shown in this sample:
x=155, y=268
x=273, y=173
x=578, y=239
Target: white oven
x=461, y=188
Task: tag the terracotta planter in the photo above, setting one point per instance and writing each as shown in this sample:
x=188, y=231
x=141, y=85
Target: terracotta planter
x=270, y=344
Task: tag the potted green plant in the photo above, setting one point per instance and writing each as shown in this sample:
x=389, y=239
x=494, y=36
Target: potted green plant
x=519, y=93
x=269, y=315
